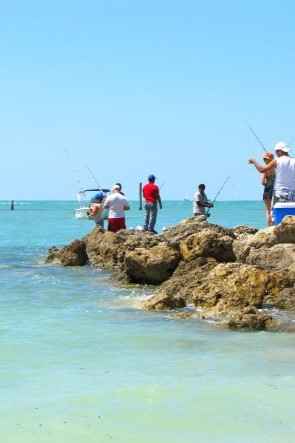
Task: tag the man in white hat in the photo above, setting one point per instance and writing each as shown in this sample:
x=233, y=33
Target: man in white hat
x=116, y=203
x=284, y=165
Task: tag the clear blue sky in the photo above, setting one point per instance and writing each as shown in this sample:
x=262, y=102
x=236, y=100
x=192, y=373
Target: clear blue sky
x=128, y=88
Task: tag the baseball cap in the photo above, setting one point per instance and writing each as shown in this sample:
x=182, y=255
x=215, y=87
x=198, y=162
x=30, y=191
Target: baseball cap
x=99, y=196
x=151, y=177
x=116, y=187
x=282, y=146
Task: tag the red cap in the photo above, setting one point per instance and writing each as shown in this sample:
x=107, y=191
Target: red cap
x=269, y=156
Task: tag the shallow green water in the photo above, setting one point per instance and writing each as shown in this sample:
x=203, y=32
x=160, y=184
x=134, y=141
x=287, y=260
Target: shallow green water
x=80, y=362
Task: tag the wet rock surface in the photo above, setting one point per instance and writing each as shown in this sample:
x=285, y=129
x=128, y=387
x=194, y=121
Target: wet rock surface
x=237, y=276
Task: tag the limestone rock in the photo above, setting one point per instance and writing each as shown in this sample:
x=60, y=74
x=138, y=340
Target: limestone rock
x=283, y=299
x=241, y=232
x=54, y=255
x=279, y=256
x=285, y=231
x=186, y=277
x=259, y=322
x=226, y=274
x=231, y=286
x=208, y=242
x=72, y=255
x=267, y=247
x=151, y=265
x=108, y=249
x=174, y=235
x=164, y=302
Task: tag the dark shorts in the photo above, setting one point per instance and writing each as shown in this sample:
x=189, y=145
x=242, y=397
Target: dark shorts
x=115, y=224
x=267, y=194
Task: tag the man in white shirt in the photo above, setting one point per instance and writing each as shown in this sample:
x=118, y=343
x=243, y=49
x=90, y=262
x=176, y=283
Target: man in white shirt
x=116, y=203
x=201, y=201
x=284, y=165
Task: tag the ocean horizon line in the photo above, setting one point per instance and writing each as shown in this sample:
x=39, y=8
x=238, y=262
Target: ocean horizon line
x=131, y=200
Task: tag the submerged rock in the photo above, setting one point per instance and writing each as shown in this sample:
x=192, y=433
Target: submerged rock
x=258, y=322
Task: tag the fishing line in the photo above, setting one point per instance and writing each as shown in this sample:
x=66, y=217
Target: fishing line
x=74, y=170
x=93, y=177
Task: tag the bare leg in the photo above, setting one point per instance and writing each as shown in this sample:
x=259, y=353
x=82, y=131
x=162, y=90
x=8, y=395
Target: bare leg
x=267, y=204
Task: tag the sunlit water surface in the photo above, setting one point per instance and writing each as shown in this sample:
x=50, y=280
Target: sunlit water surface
x=81, y=363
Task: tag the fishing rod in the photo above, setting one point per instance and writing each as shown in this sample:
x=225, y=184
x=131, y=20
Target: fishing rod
x=73, y=169
x=93, y=177
x=256, y=136
x=224, y=183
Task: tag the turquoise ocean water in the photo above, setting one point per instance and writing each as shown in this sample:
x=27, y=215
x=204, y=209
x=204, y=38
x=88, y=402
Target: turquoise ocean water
x=81, y=363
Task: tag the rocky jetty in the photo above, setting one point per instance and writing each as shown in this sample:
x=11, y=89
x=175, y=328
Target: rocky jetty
x=241, y=277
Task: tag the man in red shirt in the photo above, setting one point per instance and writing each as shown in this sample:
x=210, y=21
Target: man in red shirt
x=151, y=194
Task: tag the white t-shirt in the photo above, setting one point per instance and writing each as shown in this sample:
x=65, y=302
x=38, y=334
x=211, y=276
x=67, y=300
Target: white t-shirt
x=202, y=198
x=285, y=174
x=116, y=203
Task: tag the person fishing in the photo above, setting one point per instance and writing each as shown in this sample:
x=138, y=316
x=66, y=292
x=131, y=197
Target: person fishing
x=200, y=202
x=284, y=166
x=197, y=207
x=96, y=209
x=278, y=176
x=267, y=180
